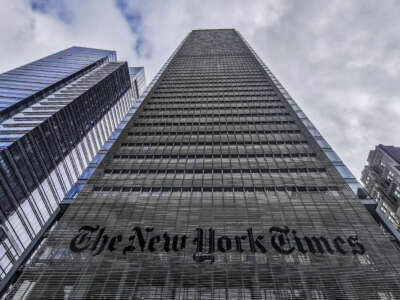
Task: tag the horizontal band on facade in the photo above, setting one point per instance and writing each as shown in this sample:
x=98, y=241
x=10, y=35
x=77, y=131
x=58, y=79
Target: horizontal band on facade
x=211, y=76
x=215, y=189
x=233, y=85
x=216, y=80
x=213, y=90
x=244, y=122
x=199, y=115
x=212, y=95
x=215, y=132
x=214, y=143
x=192, y=108
x=214, y=155
x=208, y=101
x=214, y=171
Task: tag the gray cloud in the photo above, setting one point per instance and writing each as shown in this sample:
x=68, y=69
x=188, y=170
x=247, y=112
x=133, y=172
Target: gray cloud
x=339, y=59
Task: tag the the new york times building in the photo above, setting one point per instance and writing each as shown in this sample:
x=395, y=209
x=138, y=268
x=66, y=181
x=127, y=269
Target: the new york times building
x=219, y=187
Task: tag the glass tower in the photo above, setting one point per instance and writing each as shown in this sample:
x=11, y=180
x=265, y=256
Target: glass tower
x=56, y=113
x=218, y=187
x=138, y=83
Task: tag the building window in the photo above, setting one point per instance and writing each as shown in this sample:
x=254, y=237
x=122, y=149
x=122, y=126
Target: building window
x=364, y=259
x=389, y=177
x=317, y=295
x=386, y=296
x=377, y=196
x=24, y=289
x=397, y=192
x=289, y=259
x=304, y=259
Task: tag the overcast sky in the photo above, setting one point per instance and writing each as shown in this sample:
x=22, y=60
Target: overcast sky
x=340, y=60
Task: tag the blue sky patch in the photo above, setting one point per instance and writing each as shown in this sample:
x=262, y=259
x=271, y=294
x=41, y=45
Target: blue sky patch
x=134, y=19
x=60, y=9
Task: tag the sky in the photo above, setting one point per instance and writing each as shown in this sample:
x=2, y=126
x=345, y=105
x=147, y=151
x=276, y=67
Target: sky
x=339, y=60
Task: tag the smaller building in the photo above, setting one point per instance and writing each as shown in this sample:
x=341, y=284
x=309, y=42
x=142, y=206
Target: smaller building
x=138, y=80
x=381, y=178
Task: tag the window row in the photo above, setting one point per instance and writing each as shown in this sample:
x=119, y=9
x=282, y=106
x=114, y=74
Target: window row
x=207, y=107
x=218, y=100
x=214, y=171
x=211, y=94
x=212, y=156
x=215, y=132
x=212, y=143
x=215, y=188
x=211, y=76
x=210, y=115
x=213, y=84
x=244, y=122
x=215, y=79
x=212, y=90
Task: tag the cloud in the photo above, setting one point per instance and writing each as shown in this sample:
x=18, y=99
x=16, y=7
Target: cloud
x=30, y=31
x=339, y=60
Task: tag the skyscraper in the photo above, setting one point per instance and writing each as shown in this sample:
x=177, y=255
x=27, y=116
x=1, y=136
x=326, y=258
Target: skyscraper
x=55, y=114
x=381, y=178
x=219, y=187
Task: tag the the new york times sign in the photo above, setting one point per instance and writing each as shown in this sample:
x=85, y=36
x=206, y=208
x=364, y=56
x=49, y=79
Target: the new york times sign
x=207, y=242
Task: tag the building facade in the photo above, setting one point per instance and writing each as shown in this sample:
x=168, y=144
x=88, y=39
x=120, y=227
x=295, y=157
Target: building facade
x=139, y=79
x=138, y=83
x=218, y=187
x=56, y=113
x=381, y=178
